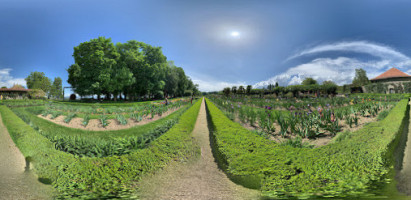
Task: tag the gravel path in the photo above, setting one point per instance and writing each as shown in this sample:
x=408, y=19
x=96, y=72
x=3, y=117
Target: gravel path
x=404, y=176
x=198, y=179
x=15, y=181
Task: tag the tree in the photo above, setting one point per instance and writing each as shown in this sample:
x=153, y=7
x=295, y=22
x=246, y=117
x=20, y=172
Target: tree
x=92, y=72
x=56, y=90
x=249, y=87
x=227, y=91
x=3, y=87
x=309, y=81
x=38, y=80
x=276, y=84
x=241, y=89
x=234, y=90
x=360, y=78
x=134, y=69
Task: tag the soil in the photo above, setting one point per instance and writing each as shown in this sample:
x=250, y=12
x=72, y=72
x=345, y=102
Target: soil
x=404, y=176
x=198, y=179
x=95, y=124
x=16, y=179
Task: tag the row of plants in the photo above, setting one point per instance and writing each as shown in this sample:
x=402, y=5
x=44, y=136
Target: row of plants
x=349, y=167
x=23, y=103
x=101, y=178
x=97, y=143
x=97, y=109
x=301, y=103
x=308, y=122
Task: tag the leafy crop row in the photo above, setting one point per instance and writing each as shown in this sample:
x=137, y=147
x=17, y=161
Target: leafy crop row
x=97, y=143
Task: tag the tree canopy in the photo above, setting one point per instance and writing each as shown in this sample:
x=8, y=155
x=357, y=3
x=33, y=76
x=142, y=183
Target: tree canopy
x=360, y=78
x=134, y=69
x=309, y=81
x=39, y=81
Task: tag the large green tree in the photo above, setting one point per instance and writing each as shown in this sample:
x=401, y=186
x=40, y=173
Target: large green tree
x=134, y=69
x=38, y=80
x=94, y=66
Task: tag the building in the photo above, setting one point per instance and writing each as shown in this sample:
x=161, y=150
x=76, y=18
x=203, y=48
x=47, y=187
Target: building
x=14, y=93
x=391, y=81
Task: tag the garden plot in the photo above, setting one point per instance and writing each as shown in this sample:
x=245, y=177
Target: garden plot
x=307, y=122
x=108, y=118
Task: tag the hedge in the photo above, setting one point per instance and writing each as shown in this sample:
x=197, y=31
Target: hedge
x=98, y=178
x=351, y=167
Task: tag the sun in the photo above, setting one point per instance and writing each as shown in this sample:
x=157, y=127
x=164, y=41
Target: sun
x=235, y=33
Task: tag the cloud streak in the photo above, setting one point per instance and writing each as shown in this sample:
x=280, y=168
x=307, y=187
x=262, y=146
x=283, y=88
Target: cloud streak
x=7, y=80
x=341, y=70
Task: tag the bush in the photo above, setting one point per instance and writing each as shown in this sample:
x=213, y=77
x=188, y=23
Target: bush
x=37, y=94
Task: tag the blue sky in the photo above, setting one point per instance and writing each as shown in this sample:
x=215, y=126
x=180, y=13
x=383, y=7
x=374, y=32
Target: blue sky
x=282, y=41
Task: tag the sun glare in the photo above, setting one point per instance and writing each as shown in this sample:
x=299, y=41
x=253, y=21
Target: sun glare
x=235, y=34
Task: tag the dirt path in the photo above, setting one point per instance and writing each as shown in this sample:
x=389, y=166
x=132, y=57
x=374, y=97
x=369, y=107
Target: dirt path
x=198, y=179
x=15, y=181
x=404, y=176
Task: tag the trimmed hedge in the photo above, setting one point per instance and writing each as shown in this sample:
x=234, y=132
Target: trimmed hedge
x=351, y=167
x=98, y=178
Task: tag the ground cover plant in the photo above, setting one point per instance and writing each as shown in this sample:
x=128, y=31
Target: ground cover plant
x=350, y=167
x=100, y=178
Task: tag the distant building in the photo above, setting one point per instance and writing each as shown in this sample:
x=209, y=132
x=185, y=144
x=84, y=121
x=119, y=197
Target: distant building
x=14, y=93
x=393, y=81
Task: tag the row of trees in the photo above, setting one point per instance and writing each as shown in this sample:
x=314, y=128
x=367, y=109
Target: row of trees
x=134, y=69
x=309, y=85
x=41, y=84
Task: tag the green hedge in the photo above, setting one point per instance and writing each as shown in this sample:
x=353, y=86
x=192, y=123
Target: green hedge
x=107, y=177
x=345, y=168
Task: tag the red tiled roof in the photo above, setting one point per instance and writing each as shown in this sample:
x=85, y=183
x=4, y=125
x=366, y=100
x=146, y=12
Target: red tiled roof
x=391, y=73
x=14, y=90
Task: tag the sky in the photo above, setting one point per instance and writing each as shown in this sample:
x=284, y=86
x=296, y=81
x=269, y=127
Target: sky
x=217, y=43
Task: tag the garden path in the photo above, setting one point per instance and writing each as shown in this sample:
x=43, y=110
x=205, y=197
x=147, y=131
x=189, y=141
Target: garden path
x=15, y=181
x=404, y=176
x=198, y=179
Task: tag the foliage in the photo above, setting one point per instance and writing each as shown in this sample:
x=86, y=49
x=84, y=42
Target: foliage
x=133, y=68
x=309, y=81
x=101, y=178
x=38, y=80
x=360, y=78
x=56, y=90
x=284, y=171
x=37, y=94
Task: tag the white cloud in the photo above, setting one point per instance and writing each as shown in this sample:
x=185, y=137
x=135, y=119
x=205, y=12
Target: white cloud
x=210, y=85
x=7, y=80
x=341, y=70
